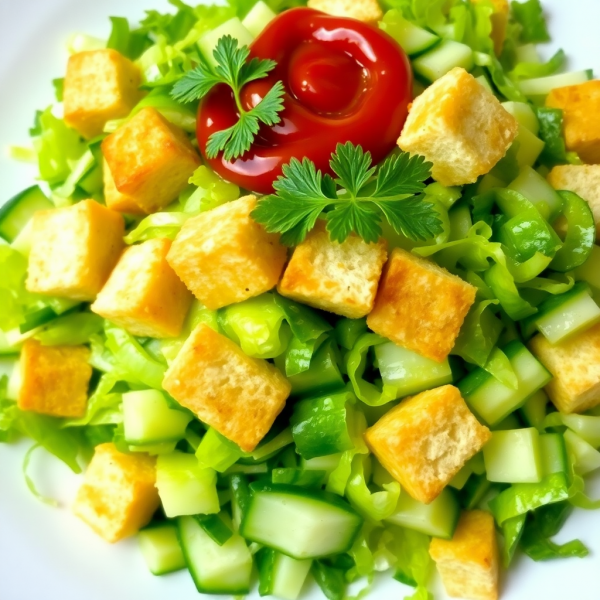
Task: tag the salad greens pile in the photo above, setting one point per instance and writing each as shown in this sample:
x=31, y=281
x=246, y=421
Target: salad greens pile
x=496, y=234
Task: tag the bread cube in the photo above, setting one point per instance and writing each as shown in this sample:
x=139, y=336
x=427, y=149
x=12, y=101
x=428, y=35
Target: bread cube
x=468, y=563
x=224, y=256
x=425, y=441
x=150, y=160
x=420, y=306
x=460, y=127
x=339, y=278
x=575, y=365
x=368, y=11
x=584, y=180
x=143, y=295
x=499, y=19
x=114, y=199
x=580, y=105
x=74, y=249
x=100, y=85
x=54, y=379
x=118, y=496
x=237, y=395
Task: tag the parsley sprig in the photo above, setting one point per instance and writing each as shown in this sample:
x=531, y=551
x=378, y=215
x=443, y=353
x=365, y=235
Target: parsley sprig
x=233, y=69
x=355, y=202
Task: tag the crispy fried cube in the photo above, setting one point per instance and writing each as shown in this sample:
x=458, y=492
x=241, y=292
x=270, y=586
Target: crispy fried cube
x=224, y=256
x=54, y=379
x=425, y=441
x=575, y=365
x=150, y=159
x=74, y=249
x=420, y=306
x=460, y=127
x=580, y=105
x=340, y=278
x=584, y=180
x=237, y=395
x=368, y=11
x=468, y=563
x=100, y=85
x=143, y=295
x=118, y=496
x=114, y=199
x=499, y=20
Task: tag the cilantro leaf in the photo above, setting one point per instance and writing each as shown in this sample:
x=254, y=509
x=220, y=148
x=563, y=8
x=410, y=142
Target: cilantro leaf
x=195, y=85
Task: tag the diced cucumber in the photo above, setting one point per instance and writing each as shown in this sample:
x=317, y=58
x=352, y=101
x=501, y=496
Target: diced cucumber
x=485, y=83
x=303, y=478
x=589, y=271
x=298, y=522
x=17, y=212
x=510, y=422
x=15, y=381
x=160, y=548
x=148, y=419
x=587, y=427
x=529, y=147
x=217, y=452
x=435, y=63
x=22, y=243
x=6, y=349
x=534, y=410
x=460, y=479
x=474, y=491
x=215, y=569
x=553, y=453
x=587, y=458
x=491, y=399
x=513, y=456
x=154, y=449
x=184, y=487
x=215, y=527
x=258, y=18
x=439, y=518
x=538, y=191
x=524, y=114
x=240, y=498
x=208, y=42
x=542, y=86
x=36, y=319
x=408, y=371
x=322, y=463
x=527, y=53
x=280, y=575
x=413, y=39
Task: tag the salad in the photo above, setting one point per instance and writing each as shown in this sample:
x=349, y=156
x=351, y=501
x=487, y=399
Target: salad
x=313, y=292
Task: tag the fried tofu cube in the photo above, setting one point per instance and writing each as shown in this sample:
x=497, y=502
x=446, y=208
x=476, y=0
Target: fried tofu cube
x=54, y=379
x=468, y=563
x=238, y=395
x=339, y=278
x=368, y=11
x=224, y=256
x=580, y=105
x=118, y=496
x=74, y=249
x=150, y=160
x=143, y=295
x=499, y=19
x=584, y=180
x=420, y=306
x=100, y=85
x=425, y=441
x=460, y=127
x=114, y=199
x=575, y=365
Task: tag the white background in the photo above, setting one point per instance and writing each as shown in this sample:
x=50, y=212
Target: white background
x=48, y=554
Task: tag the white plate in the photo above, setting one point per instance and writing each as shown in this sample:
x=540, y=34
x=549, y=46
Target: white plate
x=46, y=553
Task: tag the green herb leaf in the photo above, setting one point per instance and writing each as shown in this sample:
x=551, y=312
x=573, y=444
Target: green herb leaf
x=352, y=166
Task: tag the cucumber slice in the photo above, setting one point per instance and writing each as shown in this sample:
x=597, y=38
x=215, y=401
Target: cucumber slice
x=491, y=399
x=589, y=271
x=215, y=569
x=524, y=114
x=36, y=319
x=298, y=522
x=529, y=147
x=539, y=192
x=15, y=381
x=413, y=39
x=513, y=456
x=148, y=419
x=17, y=212
x=208, y=42
x=485, y=82
x=443, y=58
x=553, y=453
x=160, y=548
x=280, y=575
x=587, y=427
x=410, y=372
x=542, y=86
x=439, y=518
x=587, y=458
x=534, y=410
x=258, y=18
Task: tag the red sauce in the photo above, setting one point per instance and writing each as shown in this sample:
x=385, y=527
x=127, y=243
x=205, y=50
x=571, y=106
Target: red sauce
x=344, y=80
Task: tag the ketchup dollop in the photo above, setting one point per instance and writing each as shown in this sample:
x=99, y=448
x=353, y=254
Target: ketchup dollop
x=345, y=81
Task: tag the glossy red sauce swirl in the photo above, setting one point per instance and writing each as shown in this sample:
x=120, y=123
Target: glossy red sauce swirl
x=344, y=81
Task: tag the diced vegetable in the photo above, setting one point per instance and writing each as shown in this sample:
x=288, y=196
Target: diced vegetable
x=513, y=456
x=160, y=548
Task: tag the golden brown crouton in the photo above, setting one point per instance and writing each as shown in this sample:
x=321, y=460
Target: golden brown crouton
x=580, y=105
x=100, y=85
x=468, y=563
x=584, y=180
x=114, y=199
x=224, y=256
x=420, y=306
x=575, y=365
x=143, y=295
x=340, y=278
x=237, y=395
x=150, y=159
x=460, y=127
x=499, y=20
x=363, y=10
x=425, y=441
x=118, y=496
x=54, y=379
x=74, y=250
